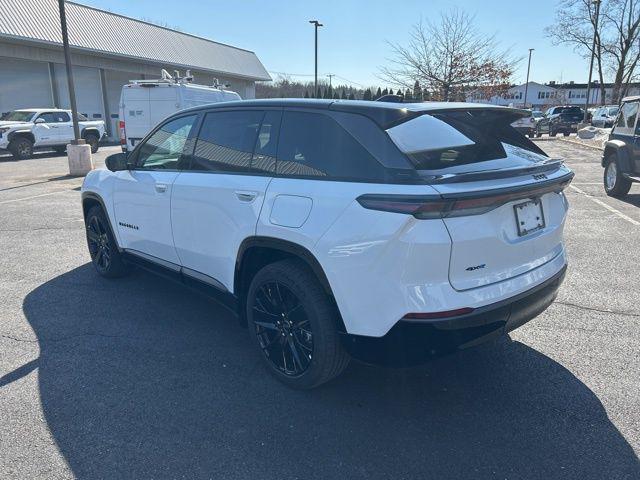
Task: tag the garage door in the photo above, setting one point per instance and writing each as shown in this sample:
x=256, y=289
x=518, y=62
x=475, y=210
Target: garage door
x=24, y=84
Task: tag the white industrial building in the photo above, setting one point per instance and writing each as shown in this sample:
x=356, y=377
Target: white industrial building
x=108, y=50
x=542, y=96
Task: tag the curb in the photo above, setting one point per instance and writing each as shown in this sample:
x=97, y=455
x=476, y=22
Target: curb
x=581, y=144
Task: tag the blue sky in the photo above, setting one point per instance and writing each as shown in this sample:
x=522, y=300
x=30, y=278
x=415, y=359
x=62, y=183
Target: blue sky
x=353, y=42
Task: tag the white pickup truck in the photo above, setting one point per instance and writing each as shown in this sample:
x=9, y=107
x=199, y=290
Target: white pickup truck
x=23, y=131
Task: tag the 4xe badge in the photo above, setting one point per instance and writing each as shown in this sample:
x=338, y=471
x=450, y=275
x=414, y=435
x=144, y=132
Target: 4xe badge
x=476, y=267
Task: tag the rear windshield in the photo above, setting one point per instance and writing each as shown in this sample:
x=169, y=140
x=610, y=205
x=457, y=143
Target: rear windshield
x=577, y=110
x=443, y=140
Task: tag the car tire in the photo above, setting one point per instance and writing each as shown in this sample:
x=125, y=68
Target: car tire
x=21, y=148
x=93, y=141
x=290, y=316
x=615, y=184
x=538, y=134
x=105, y=255
x=566, y=134
x=552, y=133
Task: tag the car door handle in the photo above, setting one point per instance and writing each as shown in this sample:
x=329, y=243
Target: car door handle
x=246, y=196
x=161, y=187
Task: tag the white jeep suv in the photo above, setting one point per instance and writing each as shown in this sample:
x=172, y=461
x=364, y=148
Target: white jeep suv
x=23, y=131
x=387, y=232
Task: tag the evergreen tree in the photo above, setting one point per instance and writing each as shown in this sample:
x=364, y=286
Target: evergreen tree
x=353, y=97
x=407, y=95
x=367, y=94
x=343, y=96
x=378, y=94
x=399, y=92
x=417, y=92
x=385, y=92
x=306, y=94
x=336, y=96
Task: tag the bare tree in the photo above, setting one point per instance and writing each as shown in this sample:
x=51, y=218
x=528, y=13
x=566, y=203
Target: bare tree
x=617, y=46
x=574, y=25
x=449, y=59
x=623, y=48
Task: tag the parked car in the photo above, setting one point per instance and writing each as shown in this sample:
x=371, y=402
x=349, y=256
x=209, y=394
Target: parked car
x=621, y=157
x=387, y=232
x=604, y=117
x=145, y=103
x=526, y=125
x=23, y=131
x=563, y=119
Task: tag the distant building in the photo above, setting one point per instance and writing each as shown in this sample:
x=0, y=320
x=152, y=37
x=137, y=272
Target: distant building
x=107, y=50
x=541, y=96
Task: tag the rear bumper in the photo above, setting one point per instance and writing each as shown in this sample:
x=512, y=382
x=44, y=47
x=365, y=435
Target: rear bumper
x=411, y=342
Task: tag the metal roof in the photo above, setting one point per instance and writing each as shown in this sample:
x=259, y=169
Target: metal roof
x=104, y=32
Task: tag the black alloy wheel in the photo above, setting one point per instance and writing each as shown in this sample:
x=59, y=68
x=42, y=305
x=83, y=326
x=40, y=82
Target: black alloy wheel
x=100, y=247
x=283, y=328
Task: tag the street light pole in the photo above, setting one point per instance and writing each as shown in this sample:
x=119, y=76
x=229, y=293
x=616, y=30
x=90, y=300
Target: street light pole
x=67, y=60
x=317, y=24
x=526, y=85
x=593, y=53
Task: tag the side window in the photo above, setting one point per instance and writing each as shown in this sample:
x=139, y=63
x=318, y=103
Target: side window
x=627, y=119
x=315, y=145
x=264, y=154
x=164, y=148
x=226, y=141
x=62, y=117
x=48, y=117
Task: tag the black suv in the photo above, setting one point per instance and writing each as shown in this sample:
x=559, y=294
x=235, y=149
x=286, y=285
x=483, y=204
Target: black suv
x=621, y=158
x=563, y=119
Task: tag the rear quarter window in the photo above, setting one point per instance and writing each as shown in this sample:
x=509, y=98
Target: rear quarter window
x=315, y=145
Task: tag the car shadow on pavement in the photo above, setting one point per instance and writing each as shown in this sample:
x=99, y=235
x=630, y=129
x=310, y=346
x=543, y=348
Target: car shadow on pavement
x=143, y=378
x=631, y=199
x=38, y=155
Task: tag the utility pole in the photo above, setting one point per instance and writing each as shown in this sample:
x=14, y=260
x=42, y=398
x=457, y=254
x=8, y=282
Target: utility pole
x=331, y=75
x=317, y=24
x=67, y=60
x=593, y=53
x=526, y=85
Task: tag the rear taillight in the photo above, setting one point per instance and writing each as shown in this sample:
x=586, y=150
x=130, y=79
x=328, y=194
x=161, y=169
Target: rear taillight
x=424, y=207
x=123, y=134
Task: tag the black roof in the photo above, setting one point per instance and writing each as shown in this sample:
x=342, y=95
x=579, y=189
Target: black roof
x=385, y=114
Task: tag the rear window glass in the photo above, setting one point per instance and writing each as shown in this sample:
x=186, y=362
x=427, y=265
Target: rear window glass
x=443, y=140
x=577, y=110
x=226, y=141
x=315, y=145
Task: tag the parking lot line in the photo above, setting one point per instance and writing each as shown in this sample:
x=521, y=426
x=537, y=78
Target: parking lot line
x=608, y=207
x=33, y=196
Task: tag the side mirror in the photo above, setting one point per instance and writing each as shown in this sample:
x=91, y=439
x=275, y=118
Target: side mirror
x=117, y=162
x=40, y=120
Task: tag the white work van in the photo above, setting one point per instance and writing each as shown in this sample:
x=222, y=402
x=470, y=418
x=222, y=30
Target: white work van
x=144, y=103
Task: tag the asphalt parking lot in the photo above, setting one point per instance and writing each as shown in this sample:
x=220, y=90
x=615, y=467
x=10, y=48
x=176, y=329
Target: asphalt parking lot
x=143, y=378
